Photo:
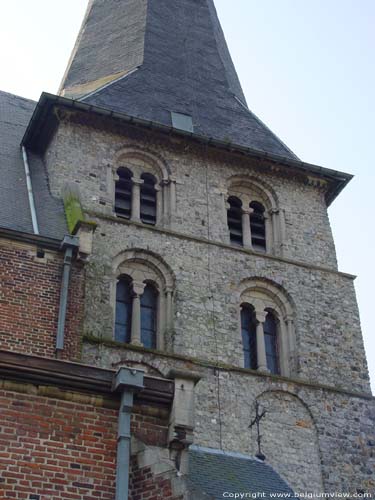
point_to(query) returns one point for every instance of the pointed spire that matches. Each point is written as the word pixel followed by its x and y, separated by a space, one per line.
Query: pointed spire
pixel 165 61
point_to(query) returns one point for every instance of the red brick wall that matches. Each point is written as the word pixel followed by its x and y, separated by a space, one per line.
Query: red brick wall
pixel 144 486
pixel 29 302
pixel 52 449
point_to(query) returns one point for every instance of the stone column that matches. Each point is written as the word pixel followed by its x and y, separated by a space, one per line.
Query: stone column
pixel 289 322
pixel 172 192
pixel 159 204
pixel 268 227
pixel 246 228
pixel 282 231
pixel 136 199
pixel 275 229
pixel 169 312
pixel 138 289
pixel 165 185
pixel 284 349
pixel 261 345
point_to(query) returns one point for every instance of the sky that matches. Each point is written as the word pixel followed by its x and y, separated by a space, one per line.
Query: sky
pixel 307 70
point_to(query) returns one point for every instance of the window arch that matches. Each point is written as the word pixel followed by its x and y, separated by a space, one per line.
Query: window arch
pixel 262 221
pixel 150 285
pixel 234 215
pixel 123 192
pixel 248 331
pixel 267 319
pixel 258 226
pixel 148 199
pixel 150 189
pixel 123 309
pixel 149 307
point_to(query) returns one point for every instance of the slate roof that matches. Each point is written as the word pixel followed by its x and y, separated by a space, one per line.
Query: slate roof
pixel 213 472
pixel 178 61
pixel 15 113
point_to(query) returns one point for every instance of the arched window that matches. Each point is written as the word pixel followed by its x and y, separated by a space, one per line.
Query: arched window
pixel 258 226
pixel 123 310
pixel 148 199
pixel 248 330
pixel 123 193
pixel 149 306
pixel 235 220
pixel 270 339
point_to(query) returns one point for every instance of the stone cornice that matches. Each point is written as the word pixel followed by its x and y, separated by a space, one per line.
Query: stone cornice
pixel 75 377
pixel 230 368
pixel 206 241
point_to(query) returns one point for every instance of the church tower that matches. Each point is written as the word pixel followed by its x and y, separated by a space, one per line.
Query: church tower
pixel 203 261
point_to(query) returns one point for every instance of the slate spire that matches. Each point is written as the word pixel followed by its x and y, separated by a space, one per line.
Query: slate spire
pixel 165 61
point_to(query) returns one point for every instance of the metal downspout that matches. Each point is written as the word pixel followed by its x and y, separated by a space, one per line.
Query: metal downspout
pixel 69 244
pixel 30 191
pixel 128 381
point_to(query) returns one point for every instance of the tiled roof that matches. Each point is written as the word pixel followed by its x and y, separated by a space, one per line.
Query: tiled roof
pixel 148 58
pixel 15 113
pixel 214 472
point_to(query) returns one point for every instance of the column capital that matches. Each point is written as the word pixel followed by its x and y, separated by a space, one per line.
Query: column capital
pixel 137 181
pixel 247 211
pixel 138 288
pixel 288 318
pixel 273 211
pixel 260 315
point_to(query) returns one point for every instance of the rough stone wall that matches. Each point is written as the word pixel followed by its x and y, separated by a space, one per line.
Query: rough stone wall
pixel 328 441
pixel 83 154
pixel 326 316
pixel 319 440
pixel 29 301
pixel 329 342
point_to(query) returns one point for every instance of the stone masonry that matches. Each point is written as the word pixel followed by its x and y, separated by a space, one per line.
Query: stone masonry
pixel 318 432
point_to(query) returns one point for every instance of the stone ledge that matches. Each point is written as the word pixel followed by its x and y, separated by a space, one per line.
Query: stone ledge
pixel 225 367
pixel 206 241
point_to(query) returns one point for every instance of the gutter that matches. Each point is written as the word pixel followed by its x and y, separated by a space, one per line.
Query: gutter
pixel 128 381
pixel 69 244
pixel 47 101
pixel 32 239
pixel 30 191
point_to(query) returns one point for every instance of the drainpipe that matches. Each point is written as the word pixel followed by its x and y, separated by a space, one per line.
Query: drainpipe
pixel 69 244
pixel 30 191
pixel 128 381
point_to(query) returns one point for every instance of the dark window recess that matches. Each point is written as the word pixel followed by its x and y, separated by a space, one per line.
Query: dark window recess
pixel 123 310
pixel 270 338
pixel 148 199
pixel 123 193
pixel 249 336
pixel 149 304
pixel 258 226
pixel 235 220
pixel 182 121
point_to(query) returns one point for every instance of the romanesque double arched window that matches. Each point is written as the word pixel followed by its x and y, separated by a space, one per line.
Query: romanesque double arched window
pixel 267 328
pixel 254 218
pixel 143 305
pixel 143 188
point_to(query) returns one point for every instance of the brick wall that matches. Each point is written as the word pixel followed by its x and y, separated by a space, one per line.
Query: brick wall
pixel 56 449
pixel 145 486
pixel 29 301
pixel 53 449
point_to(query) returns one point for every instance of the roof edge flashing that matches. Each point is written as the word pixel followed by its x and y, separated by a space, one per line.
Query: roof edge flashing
pixel 47 101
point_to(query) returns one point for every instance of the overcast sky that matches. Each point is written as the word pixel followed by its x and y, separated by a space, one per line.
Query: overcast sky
pixel 307 69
